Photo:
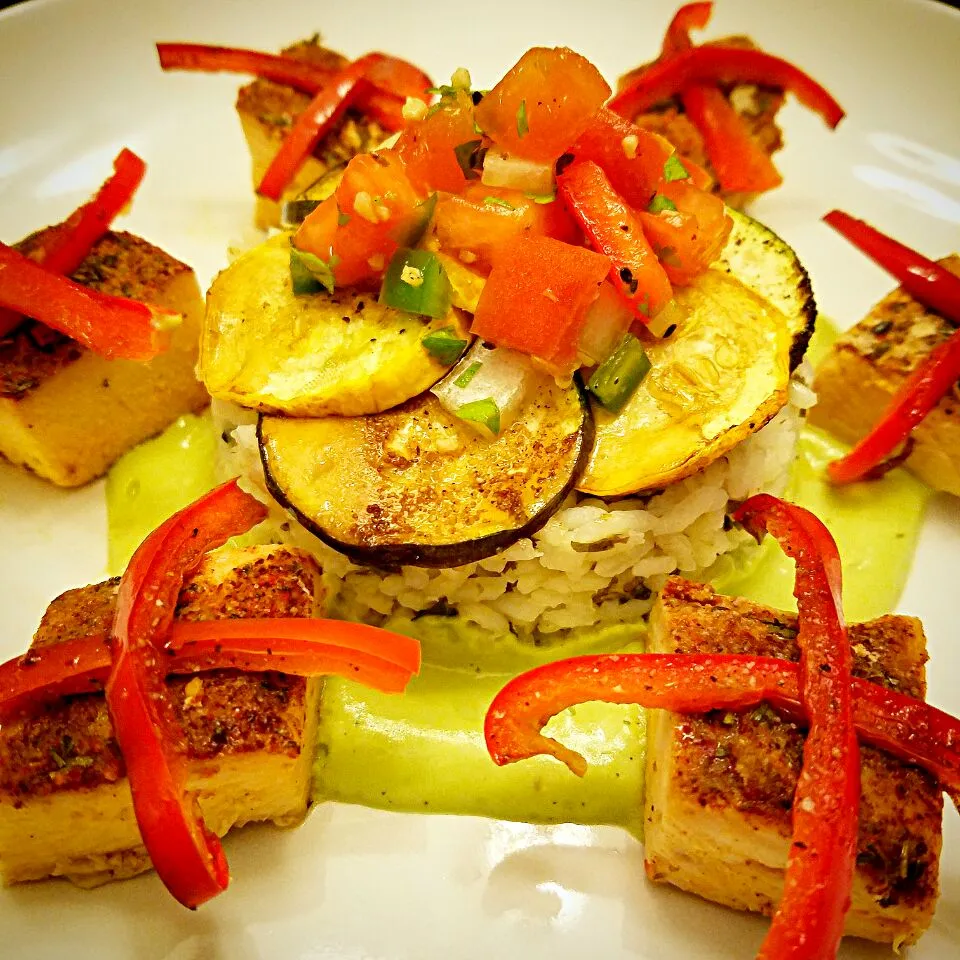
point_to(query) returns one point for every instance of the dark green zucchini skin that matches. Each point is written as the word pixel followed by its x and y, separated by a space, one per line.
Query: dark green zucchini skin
pixel 452 548
pixel 763 261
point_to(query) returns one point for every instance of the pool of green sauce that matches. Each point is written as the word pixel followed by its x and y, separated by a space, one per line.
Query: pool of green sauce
pixel 423 751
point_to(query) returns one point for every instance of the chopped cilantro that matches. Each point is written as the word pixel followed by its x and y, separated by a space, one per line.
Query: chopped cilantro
pixel 541 197
pixel 523 126
pixel 673 169
pixel 497 202
pixel 464 379
pixel 309 273
pixel 342 218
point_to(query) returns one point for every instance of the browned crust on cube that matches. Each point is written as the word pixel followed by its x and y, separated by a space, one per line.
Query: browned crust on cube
pixel 268 110
pixel 757 106
pixel 745 766
pixel 119 264
pixel 70 744
pixel 871 361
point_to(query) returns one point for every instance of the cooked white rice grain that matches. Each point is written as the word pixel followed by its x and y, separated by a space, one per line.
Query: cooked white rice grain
pixel 593 563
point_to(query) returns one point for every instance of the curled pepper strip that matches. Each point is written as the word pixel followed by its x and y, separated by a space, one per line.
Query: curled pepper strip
pixel 713 64
pixel 188 858
pixel 383 101
pixel 924 279
pixel 741 164
pixel 936 288
pixel 819 875
pixel 301 646
pixel 113 327
pixel 905 727
pixel 70 242
pixel 326 108
pixel 613 230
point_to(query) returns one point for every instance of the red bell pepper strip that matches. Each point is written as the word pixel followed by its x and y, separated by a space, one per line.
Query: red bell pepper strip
pixel 382 102
pixel 188 858
pixel 809 921
pixel 715 64
pixel 819 875
pixel 70 242
pixel 91 221
pixel 919 394
pixel 378 658
pixel 741 164
pixel 936 288
pixel 614 231
pixel 905 727
pixel 113 327
pixel 691 16
pixel 302 75
pixel 303 647
pixel 925 280
pixel 318 118
pixel 301 633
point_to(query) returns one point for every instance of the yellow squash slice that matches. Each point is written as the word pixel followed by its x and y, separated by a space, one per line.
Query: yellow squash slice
pixel 312 354
pixel 742 327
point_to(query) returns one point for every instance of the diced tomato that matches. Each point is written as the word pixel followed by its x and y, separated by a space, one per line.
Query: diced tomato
pixel 632 158
pixel 427 146
pixel 543 103
pixel 360 227
pixel 613 229
pixel 687 240
pixel 537 296
pixel 482 219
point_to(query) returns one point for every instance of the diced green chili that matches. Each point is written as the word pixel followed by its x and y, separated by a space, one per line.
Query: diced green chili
pixel 310 274
pixel 483 411
pixel 470 156
pixel 444 344
pixel 423 214
pixel 615 380
pixel 416 282
pixel 660 202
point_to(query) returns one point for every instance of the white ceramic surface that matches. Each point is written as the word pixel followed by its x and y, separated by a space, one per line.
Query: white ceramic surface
pixel 78 79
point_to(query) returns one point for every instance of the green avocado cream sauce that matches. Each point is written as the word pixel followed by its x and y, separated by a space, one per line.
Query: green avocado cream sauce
pixel 424 750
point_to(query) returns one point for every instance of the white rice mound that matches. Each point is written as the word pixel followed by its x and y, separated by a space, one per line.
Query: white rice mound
pixel 594 563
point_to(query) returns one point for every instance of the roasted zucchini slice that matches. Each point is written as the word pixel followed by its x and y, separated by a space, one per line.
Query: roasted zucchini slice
pixel 312 354
pixel 742 327
pixel 417 486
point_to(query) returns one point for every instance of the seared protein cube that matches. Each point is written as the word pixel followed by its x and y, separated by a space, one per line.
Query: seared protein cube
pixel 65 807
pixel 267 112
pixel 871 361
pixel 720 785
pixel 757 107
pixel 67 413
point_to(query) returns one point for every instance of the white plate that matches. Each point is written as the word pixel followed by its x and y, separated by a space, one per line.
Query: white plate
pixel 79 80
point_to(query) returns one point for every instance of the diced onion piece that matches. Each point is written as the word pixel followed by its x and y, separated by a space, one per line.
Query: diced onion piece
pixel 528 176
pixel 606 322
pixel 486 373
pixel 620 374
